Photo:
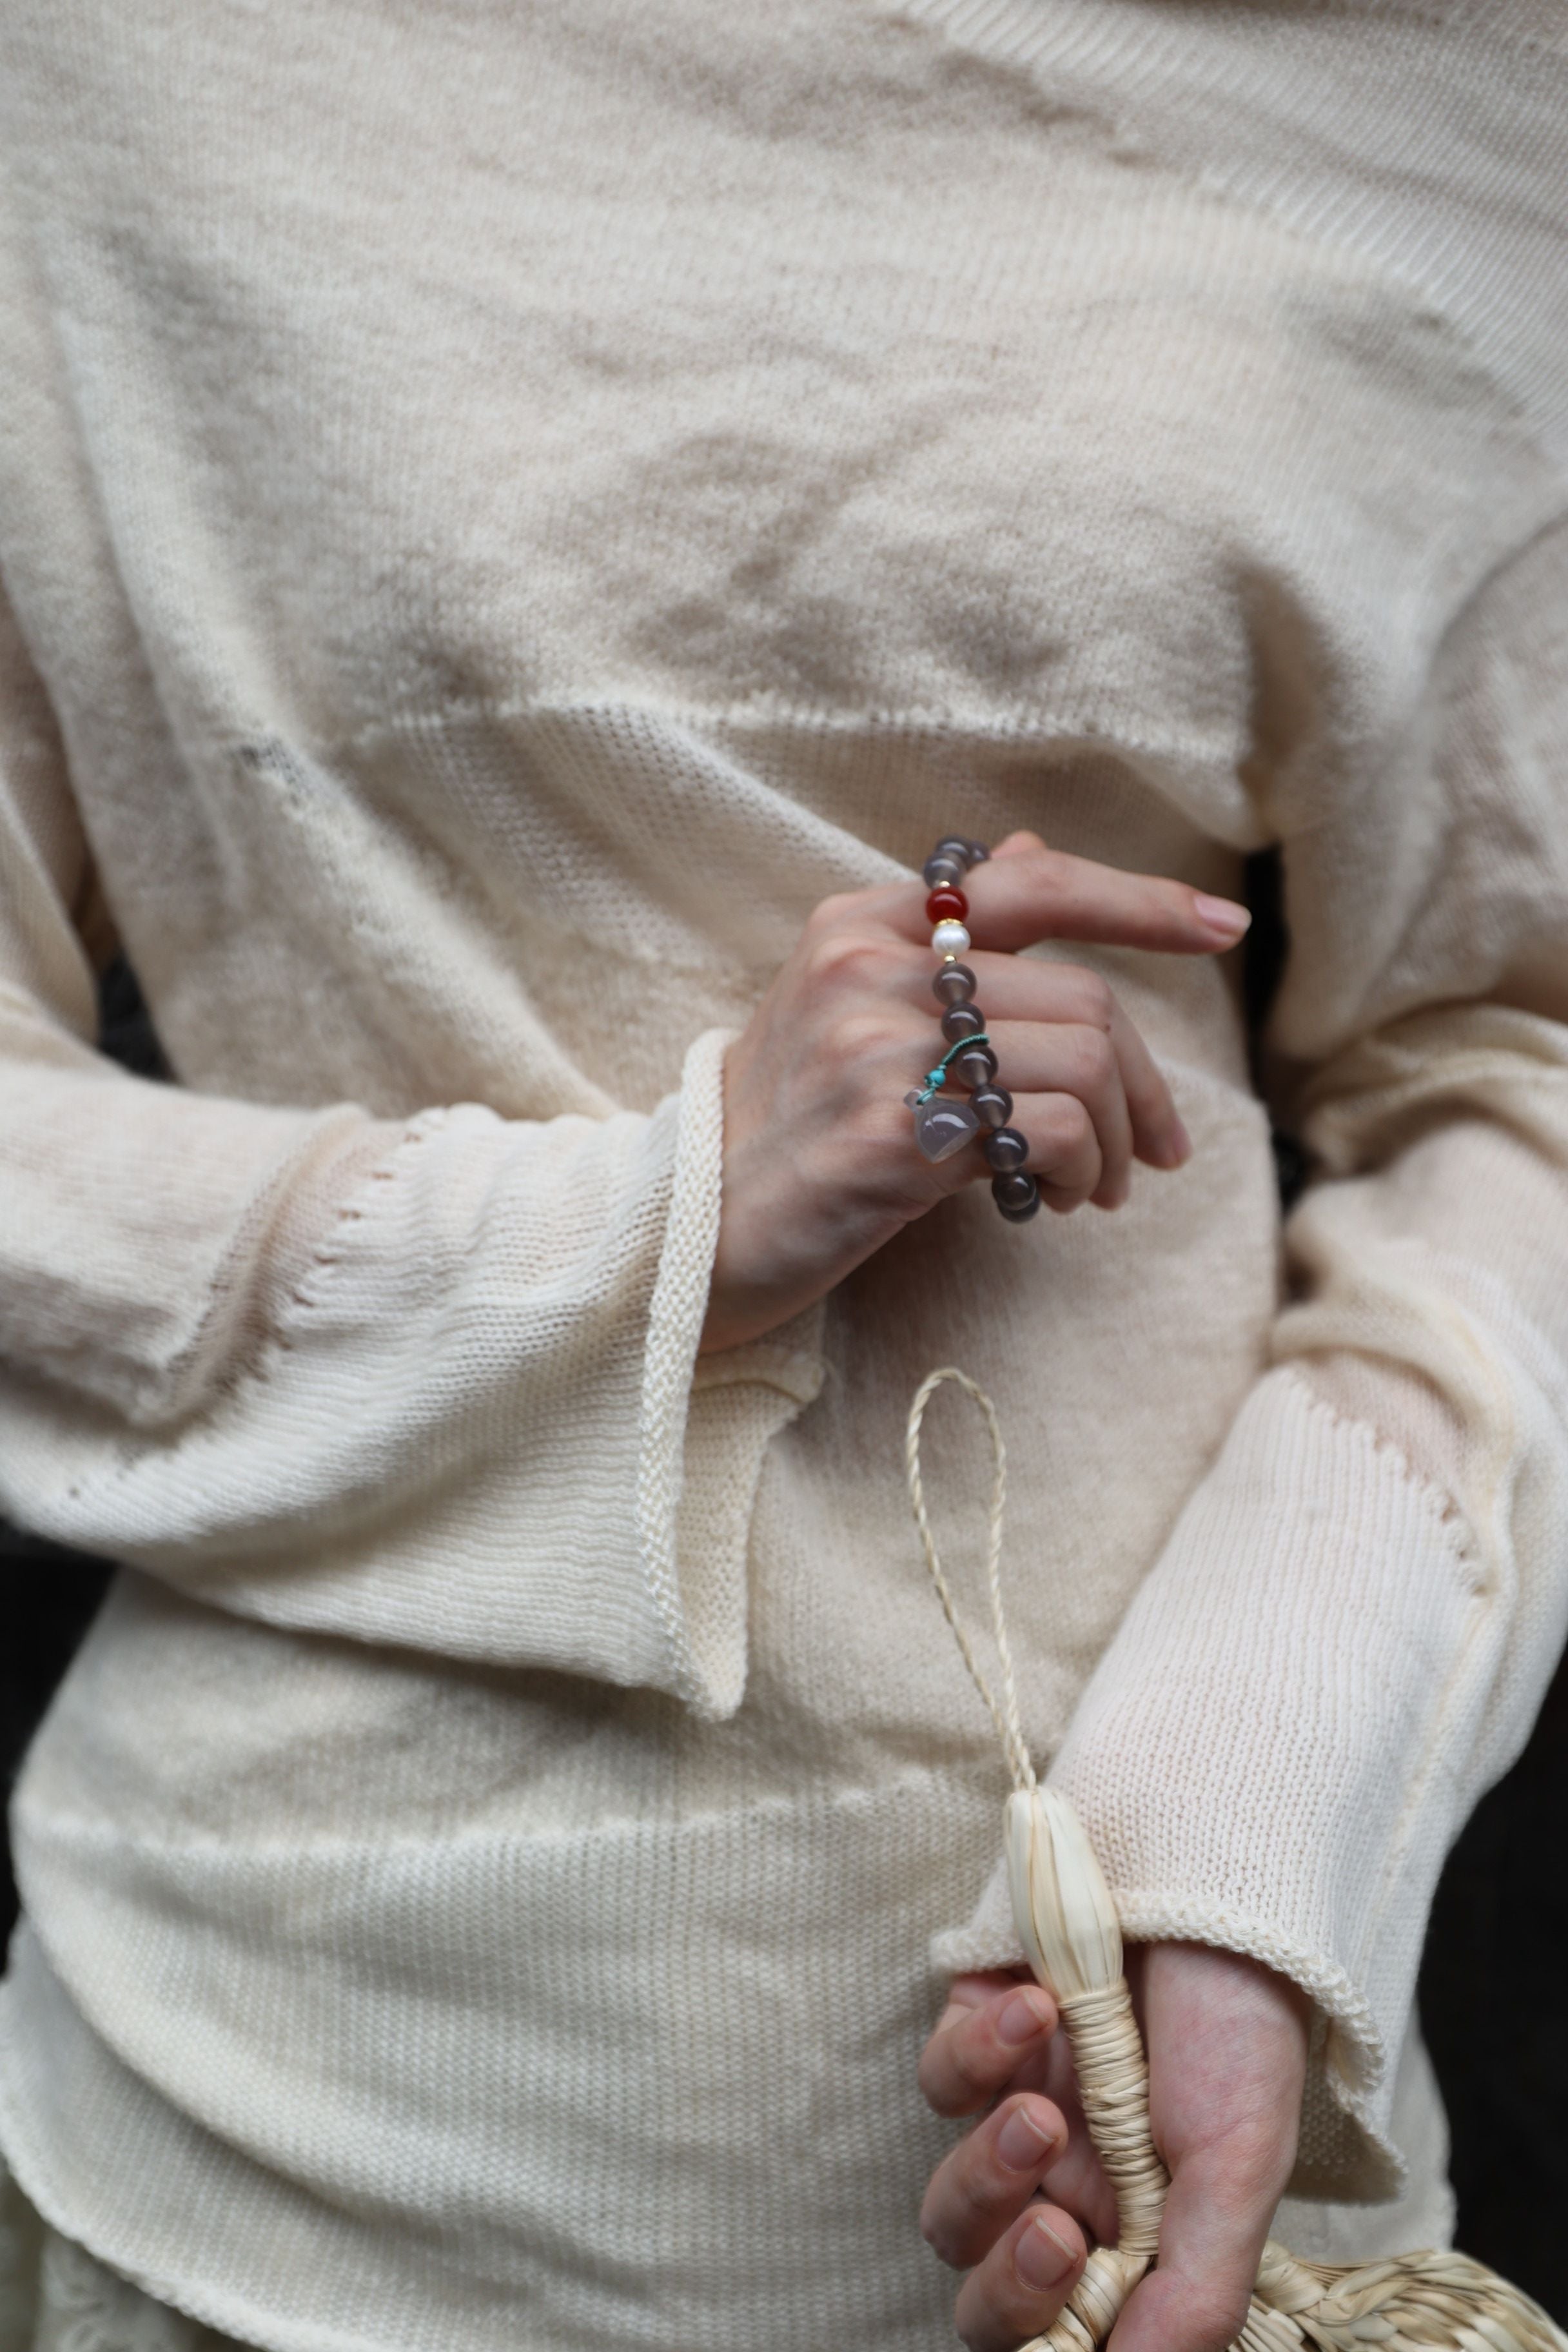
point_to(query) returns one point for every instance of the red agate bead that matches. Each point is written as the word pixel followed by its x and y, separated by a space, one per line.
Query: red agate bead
pixel 946 905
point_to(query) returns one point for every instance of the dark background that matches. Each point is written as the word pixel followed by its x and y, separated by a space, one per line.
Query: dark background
pixel 1494 1979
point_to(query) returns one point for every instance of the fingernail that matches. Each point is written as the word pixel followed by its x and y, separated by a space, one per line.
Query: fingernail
pixel 1023 2140
pixel 1024 2016
pixel 1040 2257
pixel 1221 915
pixel 1180 1147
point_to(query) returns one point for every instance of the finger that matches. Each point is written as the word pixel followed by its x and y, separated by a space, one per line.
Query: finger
pixel 1159 1138
pixel 978 1985
pixel 1064 1150
pixel 1077 2180
pixel 1073 1058
pixel 1216 2218
pixel 975 2051
pixel 1046 893
pixel 985 2183
pixel 1026 988
pixel 1019 2289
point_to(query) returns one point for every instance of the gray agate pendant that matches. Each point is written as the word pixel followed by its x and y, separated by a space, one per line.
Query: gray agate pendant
pixel 943 1125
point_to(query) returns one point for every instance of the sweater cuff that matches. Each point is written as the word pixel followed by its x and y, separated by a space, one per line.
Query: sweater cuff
pixel 479 1426
pixel 706 1420
pixel 1265 1756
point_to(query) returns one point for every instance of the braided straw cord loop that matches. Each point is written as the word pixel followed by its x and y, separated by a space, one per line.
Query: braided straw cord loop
pixel 1426 2302
pixel 1005 1716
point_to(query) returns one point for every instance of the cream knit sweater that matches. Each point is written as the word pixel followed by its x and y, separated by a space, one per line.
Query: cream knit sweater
pixel 502 507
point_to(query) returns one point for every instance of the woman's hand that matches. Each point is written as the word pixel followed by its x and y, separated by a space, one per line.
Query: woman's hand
pixel 820 1161
pixel 1018 2201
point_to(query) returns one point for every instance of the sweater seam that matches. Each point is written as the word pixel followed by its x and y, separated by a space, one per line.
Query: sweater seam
pixel 319 1273
pixel 1026 723
pixel 274 1344
pixel 91 1832
pixel 1038 725
pixel 1440 1506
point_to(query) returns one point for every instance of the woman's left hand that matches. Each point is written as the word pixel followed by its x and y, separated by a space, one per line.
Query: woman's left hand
pixel 1018 2200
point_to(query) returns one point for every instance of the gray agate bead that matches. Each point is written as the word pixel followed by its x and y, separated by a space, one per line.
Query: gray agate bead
pixel 954 984
pixel 975 1066
pixel 994 1103
pixel 953 845
pixel 940 868
pixel 1017 1196
pixel 1006 1150
pixel 961 1021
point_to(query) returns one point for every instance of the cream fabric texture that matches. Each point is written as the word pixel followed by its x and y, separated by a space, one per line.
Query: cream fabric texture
pixel 501 510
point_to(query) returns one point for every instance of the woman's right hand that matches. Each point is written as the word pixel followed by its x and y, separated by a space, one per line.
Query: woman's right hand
pixel 820 1162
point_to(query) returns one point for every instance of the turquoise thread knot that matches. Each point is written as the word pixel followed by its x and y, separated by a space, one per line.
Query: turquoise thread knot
pixel 936 1079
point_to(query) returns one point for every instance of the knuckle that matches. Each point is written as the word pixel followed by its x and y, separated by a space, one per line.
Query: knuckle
pixel 828 913
pixel 959 2208
pixel 977 2195
pixel 1070 1127
pixel 969 2072
pixel 939 2088
pixel 855 1035
pixel 951 2078
pixel 933 2228
pixel 946 2243
pixel 1096 1001
pixel 1093 1057
pixel 846 961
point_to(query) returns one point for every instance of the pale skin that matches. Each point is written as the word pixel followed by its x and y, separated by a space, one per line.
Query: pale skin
pixel 820 1168
pixel 820 1172
pixel 1020 2199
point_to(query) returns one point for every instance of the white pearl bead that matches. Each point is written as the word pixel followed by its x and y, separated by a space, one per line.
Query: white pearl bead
pixel 950 939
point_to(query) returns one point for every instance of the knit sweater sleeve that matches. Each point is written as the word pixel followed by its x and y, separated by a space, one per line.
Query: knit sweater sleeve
pixel 1350 1626
pixel 429 1381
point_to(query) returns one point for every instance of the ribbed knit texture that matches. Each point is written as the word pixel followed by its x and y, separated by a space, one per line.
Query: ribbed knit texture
pixel 501 510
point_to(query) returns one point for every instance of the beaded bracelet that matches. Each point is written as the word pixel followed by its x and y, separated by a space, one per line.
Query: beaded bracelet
pixel 944 1123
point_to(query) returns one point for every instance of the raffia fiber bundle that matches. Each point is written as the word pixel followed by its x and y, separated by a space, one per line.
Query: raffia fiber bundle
pixel 1067 1923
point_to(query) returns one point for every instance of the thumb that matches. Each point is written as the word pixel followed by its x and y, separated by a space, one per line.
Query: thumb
pixel 1211 2240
